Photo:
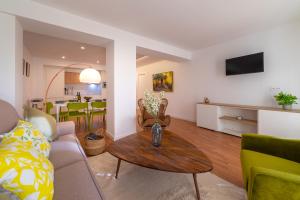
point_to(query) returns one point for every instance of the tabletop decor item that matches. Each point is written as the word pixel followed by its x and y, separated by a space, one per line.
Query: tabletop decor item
pixel 286 100
pixel 152 104
pixel 239 117
pixel 87 99
pixel 206 100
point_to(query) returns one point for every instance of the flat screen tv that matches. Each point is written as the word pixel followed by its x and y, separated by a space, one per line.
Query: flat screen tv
pixel 253 63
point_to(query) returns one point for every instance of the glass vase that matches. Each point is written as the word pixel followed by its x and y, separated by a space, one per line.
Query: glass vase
pixel 156 134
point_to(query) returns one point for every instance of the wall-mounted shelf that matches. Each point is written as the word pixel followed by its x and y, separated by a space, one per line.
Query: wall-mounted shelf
pixel 244 121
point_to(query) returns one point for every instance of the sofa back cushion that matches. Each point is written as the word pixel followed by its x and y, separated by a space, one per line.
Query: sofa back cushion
pixel 8 117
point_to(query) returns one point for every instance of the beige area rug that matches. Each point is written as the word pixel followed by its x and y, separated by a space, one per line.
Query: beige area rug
pixel 138 183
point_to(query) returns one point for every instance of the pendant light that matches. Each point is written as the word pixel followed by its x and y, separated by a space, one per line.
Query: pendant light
pixel 90 76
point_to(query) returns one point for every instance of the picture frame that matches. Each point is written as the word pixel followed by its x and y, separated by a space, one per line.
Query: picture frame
pixel 24 67
pixel 163 82
pixel 27 69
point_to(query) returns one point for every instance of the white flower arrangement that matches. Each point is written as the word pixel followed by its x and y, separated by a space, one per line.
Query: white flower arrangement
pixel 152 102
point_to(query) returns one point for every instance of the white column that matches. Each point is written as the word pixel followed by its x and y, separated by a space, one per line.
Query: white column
pixel 121 79
pixel 11 51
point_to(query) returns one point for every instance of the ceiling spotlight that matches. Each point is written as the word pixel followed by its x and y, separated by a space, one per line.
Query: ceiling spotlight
pixel 82 48
pixel 98 61
pixel 63 57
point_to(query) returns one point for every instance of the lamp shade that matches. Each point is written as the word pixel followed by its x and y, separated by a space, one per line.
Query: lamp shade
pixel 89 75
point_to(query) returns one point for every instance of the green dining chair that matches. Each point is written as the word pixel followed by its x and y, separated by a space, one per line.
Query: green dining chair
pixel 98 109
pixel 78 111
pixel 49 107
pixel 62 115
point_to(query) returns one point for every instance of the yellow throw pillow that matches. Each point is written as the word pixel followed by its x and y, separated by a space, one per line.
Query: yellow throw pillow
pixel 25 172
pixel 27 133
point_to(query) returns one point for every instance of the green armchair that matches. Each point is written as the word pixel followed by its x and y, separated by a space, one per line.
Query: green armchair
pixel 271 167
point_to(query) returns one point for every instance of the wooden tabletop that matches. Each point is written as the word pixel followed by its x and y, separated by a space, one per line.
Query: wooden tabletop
pixel 174 155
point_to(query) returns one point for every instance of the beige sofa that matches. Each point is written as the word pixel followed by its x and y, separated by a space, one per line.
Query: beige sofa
pixel 73 179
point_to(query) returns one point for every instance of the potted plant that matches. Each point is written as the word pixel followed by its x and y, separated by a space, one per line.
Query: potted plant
pixel 152 104
pixel 286 100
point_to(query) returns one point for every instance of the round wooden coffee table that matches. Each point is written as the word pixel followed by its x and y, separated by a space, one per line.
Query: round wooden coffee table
pixel 174 155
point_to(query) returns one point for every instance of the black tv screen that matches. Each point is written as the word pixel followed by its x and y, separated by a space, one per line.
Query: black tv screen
pixel 253 63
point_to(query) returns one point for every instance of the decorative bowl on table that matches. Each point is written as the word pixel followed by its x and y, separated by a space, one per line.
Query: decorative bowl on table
pixel 73 100
pixel 87 99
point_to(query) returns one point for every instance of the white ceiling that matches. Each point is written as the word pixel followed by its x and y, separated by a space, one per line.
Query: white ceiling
pixel 190 24
pixel 54 48
pixel 45 46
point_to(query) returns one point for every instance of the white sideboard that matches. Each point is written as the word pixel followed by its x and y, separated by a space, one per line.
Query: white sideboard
pixel 255 119
pixel 207 116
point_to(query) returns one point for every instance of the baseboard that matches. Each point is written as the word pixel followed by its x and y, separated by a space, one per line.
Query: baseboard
pixel 186 120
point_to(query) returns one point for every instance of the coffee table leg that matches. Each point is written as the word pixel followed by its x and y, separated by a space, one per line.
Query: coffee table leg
pixel 196 186
pixel 118 168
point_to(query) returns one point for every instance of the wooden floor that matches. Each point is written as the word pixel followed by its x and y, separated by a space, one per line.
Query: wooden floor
pixel 222 149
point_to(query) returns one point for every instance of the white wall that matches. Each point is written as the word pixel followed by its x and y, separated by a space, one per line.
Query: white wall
pixel 7 61
pixel 11 51
pixel 121 73
pixel 205 75
pixel 281 47
pixel 56 90
pixel 182 99
pixel 19 67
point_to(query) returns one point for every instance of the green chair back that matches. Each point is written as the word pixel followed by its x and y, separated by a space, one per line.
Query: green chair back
pixel 49 106
pixel 98 104
pixel 77 106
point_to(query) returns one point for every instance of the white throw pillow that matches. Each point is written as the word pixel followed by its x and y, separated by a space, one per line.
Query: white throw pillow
pixel 42 121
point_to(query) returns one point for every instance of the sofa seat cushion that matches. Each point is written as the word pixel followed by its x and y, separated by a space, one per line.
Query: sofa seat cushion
pixel 75 182
pixel 255 159
pixel 65 151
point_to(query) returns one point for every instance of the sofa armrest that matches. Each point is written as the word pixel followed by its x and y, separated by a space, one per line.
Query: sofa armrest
pixel 273 184
pixel 284 148
pixel 64 128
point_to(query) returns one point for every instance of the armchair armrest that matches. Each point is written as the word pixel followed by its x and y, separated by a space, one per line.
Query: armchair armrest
pixel 284 148
pixel 64 128
pixel 165 120
pixel 140 119
pixel 273 184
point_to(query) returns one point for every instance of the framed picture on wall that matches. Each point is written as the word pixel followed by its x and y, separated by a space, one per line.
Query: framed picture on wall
pixel 24 67
pixel 163 82
pixel 27 69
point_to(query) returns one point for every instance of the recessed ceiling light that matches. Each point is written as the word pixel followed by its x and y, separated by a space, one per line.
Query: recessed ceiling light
pixel 98 61
pixel 82 48
pixel 63 57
